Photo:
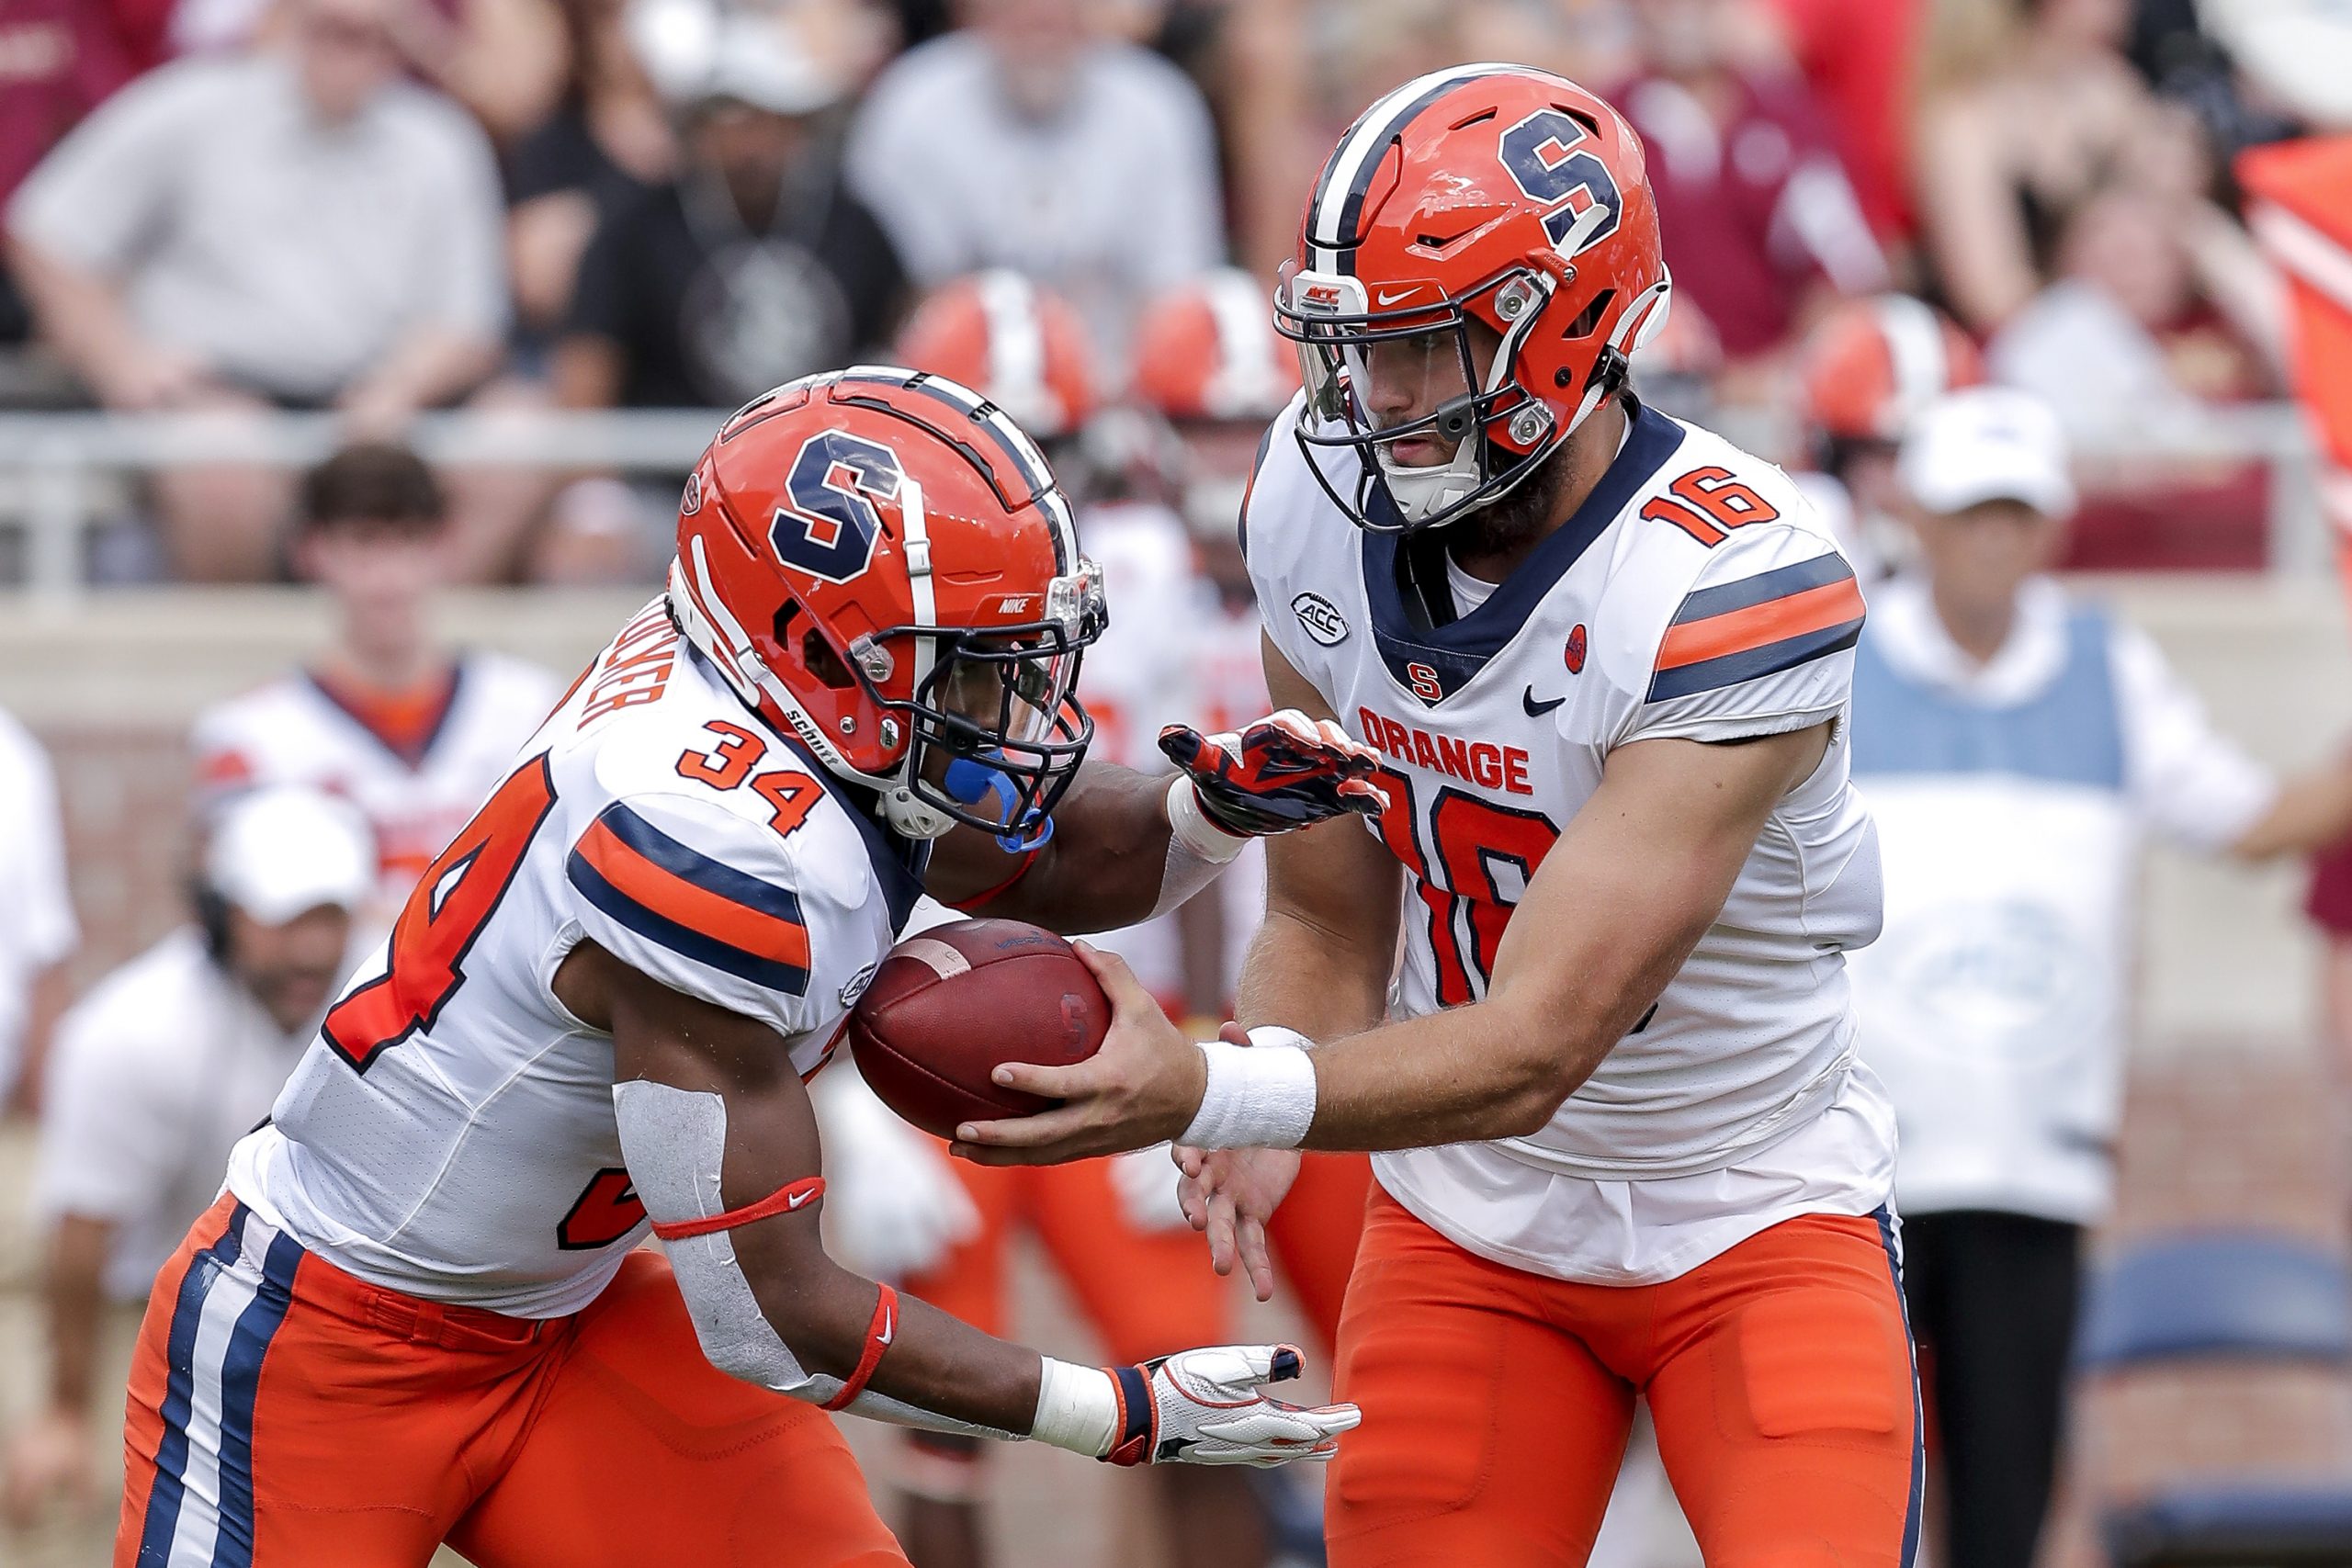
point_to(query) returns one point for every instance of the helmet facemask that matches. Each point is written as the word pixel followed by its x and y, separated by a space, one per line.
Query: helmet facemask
pixel 994 729
pixel 1497 434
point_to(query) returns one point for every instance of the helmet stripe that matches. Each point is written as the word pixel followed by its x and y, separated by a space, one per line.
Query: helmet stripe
pixel 1914 348
pixel 1338 196
pixel 1016 347
pixel 1018 448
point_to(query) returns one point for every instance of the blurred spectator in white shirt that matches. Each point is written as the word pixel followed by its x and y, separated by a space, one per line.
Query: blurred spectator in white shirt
pixel 2017 747
pixel 39 932
pixel 294 225
pixel 1030 140
pixel 2158 309
pixel 164 1064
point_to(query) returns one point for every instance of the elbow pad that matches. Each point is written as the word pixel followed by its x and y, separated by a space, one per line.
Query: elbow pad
pixel 674 1141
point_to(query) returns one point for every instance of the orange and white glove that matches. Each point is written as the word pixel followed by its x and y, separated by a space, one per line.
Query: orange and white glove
pixel 1201 1406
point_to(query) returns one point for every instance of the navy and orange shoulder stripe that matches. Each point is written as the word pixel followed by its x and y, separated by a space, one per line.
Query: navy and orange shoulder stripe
pixel 1759 625
pixel 673 894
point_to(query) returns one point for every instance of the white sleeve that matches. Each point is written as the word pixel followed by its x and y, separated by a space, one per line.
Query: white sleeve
pixel 32 862
pixel 462 281
pixel 1762 643
pixel 889 164
pixel 103 190
pixel 109 1132
pixel 1187 235
pixel 2190 782
pixel 706 902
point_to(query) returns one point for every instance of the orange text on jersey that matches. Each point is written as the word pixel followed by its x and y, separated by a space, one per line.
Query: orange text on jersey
pixel 1482 763
pixel 638 667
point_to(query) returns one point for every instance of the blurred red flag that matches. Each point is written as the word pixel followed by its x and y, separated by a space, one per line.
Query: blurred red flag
pixel 2299 204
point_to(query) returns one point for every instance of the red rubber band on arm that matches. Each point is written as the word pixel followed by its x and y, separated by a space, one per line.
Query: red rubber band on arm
pixel 879 1331
pixel 796 1195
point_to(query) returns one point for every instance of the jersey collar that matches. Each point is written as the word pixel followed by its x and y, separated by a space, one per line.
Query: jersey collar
pixel 1422 656
pixel 898 864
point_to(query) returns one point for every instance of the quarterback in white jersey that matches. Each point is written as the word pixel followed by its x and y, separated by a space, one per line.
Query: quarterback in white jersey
pixel 1624 1147
pixel 419 1311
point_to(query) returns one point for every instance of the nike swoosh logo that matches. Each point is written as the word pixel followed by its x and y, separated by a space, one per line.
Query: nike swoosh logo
pixel 890 1327
pixel 1536 709
pixel 796 1200
pixel 1385 297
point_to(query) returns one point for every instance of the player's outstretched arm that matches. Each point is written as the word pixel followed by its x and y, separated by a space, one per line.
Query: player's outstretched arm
pixel 1626 893
pixel 722 1146
pixel 1127 846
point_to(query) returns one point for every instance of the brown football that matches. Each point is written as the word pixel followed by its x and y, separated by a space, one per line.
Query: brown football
pixel 947 1008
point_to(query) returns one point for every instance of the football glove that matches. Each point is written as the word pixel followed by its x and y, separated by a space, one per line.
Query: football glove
pixel 1203 1407
pixel 1284 771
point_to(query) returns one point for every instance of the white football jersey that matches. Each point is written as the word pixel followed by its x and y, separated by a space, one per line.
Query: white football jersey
pixel 451 1133
pixel 295 730
pixel 1693 595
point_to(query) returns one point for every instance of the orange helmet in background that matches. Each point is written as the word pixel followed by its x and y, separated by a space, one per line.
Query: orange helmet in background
pixel 1499 194
pixel 879 563
pixel 1206 350
pixel 1870 365
pixel 1022 347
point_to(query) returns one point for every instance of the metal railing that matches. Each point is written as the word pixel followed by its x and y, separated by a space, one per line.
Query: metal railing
pixel 62 474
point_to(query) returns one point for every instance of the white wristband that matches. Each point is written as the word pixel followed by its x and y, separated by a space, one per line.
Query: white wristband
pixel 1077 1408
pixel 1260 1096
pixel 1191 826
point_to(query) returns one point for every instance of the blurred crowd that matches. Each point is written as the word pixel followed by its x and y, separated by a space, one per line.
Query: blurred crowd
pixel 380 207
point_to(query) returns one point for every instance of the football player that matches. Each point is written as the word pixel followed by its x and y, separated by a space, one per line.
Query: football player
pixel 1625 1147
pixel 418 1311
pixel 412 733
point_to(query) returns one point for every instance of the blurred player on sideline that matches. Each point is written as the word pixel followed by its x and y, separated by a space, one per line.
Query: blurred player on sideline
pixel 2017 746
pixel 1866 370
pixel 595 1018
pixel 1111 1227
pixel 40 932
pixel 1209 363
pixel 1607 658
pixel 159 1070
pixel 412 732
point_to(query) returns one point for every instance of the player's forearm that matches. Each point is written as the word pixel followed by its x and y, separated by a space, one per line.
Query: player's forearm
pixel 72 1296
pixel 1468 1074
pixel 1104 867
pixel 932 1363
pixel 1307 976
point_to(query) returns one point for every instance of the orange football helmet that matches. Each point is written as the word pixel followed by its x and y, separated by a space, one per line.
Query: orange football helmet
pixel 1023 349
pixel 1499 194
pixel 1207 351
pixel 880 564
pixel 1870 365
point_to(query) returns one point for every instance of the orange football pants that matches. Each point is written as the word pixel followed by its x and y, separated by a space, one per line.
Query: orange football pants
pixel 283 1414
pixel 1495 1401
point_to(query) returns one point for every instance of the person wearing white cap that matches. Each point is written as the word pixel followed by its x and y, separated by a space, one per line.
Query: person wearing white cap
pixel 2016 745
pixel 164 1064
